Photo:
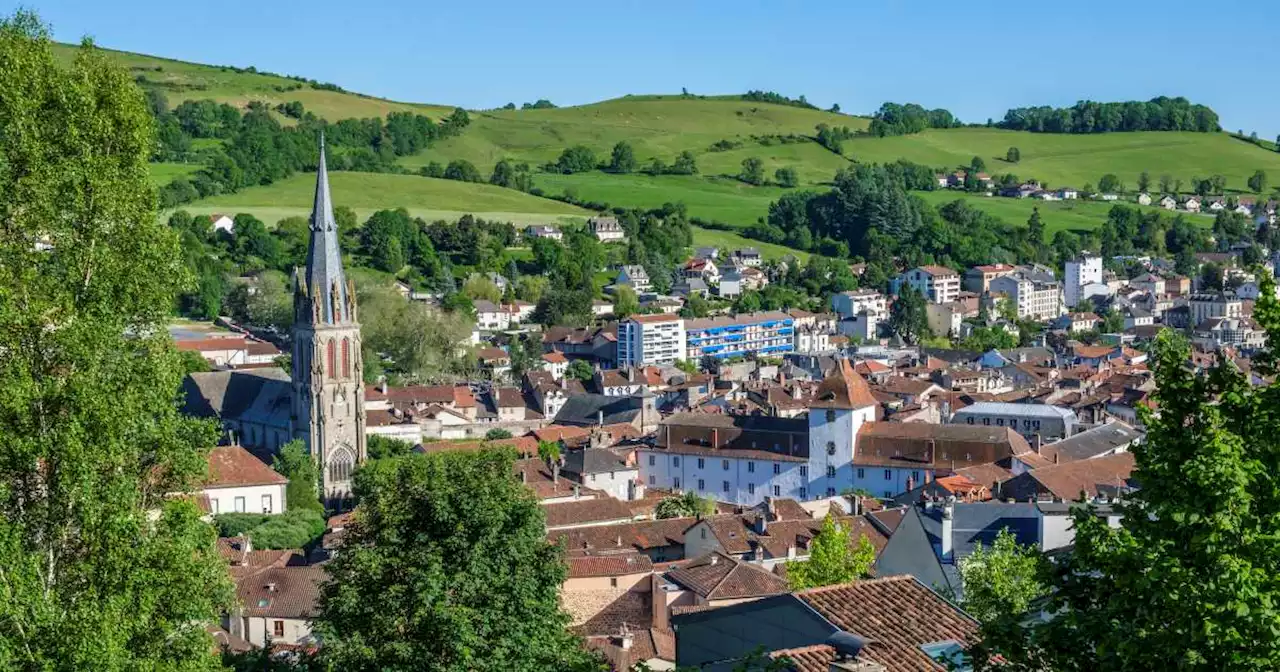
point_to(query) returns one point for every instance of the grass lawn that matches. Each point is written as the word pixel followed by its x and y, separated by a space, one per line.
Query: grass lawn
pixel 1077 215
pixel 723 200
pixel 368 192
pixel 728 241
pixel 164 173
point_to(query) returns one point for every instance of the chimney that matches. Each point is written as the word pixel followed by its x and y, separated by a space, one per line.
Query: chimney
pixel 271 587
pixel 599 418
pixel 948 527
pixel 618 541
pixel 577 491
pixel 715 559
pixel 1035 443
pixel 658 603
pixel 762 523
pixel 626 639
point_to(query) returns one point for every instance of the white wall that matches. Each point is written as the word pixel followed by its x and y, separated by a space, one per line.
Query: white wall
pixel 222 500
pixel 614 483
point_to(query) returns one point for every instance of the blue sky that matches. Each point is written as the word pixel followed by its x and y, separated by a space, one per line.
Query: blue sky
pixel 976 59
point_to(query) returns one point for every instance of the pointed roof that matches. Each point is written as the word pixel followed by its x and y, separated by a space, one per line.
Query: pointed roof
pixel 324 259
pixel 844 389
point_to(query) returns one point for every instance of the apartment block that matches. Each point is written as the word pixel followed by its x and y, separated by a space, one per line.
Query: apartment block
pixel 765 333
pixel 650 339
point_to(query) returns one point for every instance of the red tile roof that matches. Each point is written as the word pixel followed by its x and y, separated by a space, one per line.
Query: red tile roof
pixel 213 344
pixel 897 614
pixel 586 512
pixel 716 576
pixel 282 592
pixel 844 389
pixel 233 466
pixel 584 566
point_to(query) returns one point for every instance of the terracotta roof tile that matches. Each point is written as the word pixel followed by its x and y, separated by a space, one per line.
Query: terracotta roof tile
pixel 844 389
pixel 639 536
pixel 583 566
pixel 717 576
pixel 282 592
pixel 233 466
pixel 585 512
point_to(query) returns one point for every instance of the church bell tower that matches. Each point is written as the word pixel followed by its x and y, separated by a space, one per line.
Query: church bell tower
pixel 328 391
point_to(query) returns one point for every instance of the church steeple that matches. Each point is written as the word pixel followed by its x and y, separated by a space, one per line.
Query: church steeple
pixel 325 282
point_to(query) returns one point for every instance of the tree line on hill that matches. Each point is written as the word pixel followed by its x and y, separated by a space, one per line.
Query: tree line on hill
pixel 254 148
pixel 1087 116
pixel 896 119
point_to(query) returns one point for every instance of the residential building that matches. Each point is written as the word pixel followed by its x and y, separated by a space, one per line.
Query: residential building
pixel 651 339
pixel 544 231
pixel 1036 294
pixel 848 304
pixel 730 284
pixel 937 284
pixel 978 278
pixel 277 605
pixel 606 229
pixel 945 319
pixel 1144 198
pixel 1149 282
pixel 749 257
pixel 748 333
pixel 1205 305
pixel 1105 476
pixel 1192 204
pixel 703 269
pixel 1030 420
pixel 1079 272
pixel 238 482
pixel 1169 203
pixel 1073 322
pixel 634 276
pixel 1239 332
pixel 1067 193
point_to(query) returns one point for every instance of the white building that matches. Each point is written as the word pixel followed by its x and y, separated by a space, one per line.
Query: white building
pixel 607 229
pixel 635 276
pixel 1047 422
pixel 238 482
pixel 1037 295
pixel 937 284
pixel 222 223
pixel 848 304
pixel 763 333
pixel 277 605
pixel 650 339
pixel 1080 272
pixel 1205 305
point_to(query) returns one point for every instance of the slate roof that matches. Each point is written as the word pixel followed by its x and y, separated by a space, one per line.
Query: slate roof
pixel 980 522
pixel 324 258
pixel 584 409
pixel 594 461
pixel 716 576
pixel 1093 442
pixel 262 396
pixel 896 615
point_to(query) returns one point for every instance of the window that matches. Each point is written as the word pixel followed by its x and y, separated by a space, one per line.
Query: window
pixel 239 504
pixel 915 477
pixel 675 461
pixel 887 494
pixel 725 464
pixel 831 447
pixel 277 628
pixel 861 473
pixel 332 355
pixel 652 480
pixel 701 463
pixel 346 358
pixel 675 483
pixel 702 485
pixel 213 505
pixel 888 475
pixel 751 488
pixel 804 471
pixel 986 421
pixel 266 503
pixel 803 493
pixel 651 460
pixel 969 420
pixel 831 415
pixel 613 582
pixel 777 491
pixel 777 468
pixel 751 467
pixel 831 472
pixel 831 492
pixel 703 532
pixel 724 485
pixel 593 478
pixel 999 422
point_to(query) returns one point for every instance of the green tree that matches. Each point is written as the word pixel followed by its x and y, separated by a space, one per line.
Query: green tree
pixel 422 342
pixel 833 558
pixel 687 366
pixel 91 441
pixel 786 177
pixel 625 302
pixel 1144 182
pixel 1001 579
pixel 478 287
pixel 576 159
pixel 1258 181
pixel 1166 184
pixel 531 288
pixel 295 463
pixel 1035 227
pixel 462 170
pixel 685 505
pixel 685 164
pixel 977 165
pixel 1013 155
pixel 549 451
pixel 1187 578
pixel 752 171
pixel 382 447
pixel 623 159
pixel 1112 322
pixel 496 434
pixel 908 317
pixel 1110 183
pixel 579 370
pixel 447 568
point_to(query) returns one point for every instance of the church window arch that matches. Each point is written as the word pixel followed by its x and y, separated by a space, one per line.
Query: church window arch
pixel 346 357
pixel 341 465
pixel 332 354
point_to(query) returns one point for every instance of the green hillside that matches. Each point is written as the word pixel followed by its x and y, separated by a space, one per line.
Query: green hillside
pixel 367 192
pixel 188 81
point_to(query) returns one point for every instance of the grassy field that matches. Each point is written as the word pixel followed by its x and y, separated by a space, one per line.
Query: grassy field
pixel 723 200
pixel 193 81
pixel 729 241
pixel 164 173
pixel 1057 215
pixel 367 192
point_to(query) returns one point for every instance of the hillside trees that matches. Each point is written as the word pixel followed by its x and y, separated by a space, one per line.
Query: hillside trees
pixel 423 342
pixel 907 316
pixel 786 177
pixel 1110 183
pixel 1144 182
pixel 91 441
pixel 1258 181
pixel 576 159
pixel 1188 575
pixel 895 119
pixel 752 171
pixel 447 567
pixel 1086 116
pixel 623 158
pixel 462 170
pixel 512 175
pixel 1013 155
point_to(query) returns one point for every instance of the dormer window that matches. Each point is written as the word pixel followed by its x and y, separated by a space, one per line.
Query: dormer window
pixel 831 447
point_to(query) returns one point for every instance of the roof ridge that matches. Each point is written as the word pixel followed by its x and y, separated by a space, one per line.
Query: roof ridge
pixel 857 582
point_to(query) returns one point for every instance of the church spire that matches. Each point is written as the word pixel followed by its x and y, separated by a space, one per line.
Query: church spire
pixel 325 281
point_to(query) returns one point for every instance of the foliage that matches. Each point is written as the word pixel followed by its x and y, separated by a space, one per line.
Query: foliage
pixel 686 505
pixel 462 170
pixel 496 434
pixel 908 317
pixel 549 451
pixel 982 339
pixel 295 528
pixel 1110 183
pixel 1013 155
pixel 100 568
pixel 575 159
pixel 419 341
pixel 1187 578
pixel 625 302
pixel 382 447
pixel 1258 181
pixel 579 370
pixel 296 464
pixel 752 171
pixel 786 177
pixel 1086 116
pixel 539 104
pixel 777 99
pixel 894 119
pixel 511 175
pixel 623 159
pixel 833 137
pixel 1005 578
pixel 447 568
pixel 833 558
